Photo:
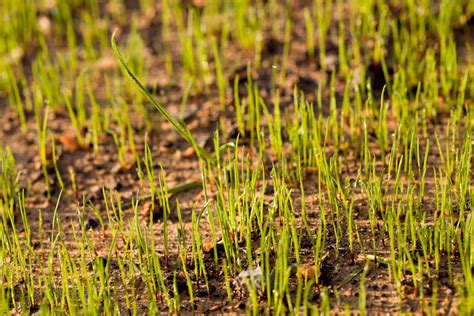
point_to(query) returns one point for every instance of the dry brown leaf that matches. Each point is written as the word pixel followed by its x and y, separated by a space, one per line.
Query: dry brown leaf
pixel 207 247
pixel 307 271
pixel 69 142
pixel 189 152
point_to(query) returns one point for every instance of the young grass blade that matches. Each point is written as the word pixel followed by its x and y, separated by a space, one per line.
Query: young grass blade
pixel 180 127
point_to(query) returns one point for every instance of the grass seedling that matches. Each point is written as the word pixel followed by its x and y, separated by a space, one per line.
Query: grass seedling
pixel 15 99
pixel 309 32
pixel 238 108
pixel 42 123
pixel 286 50
pixel 374 163
pixel 55 162
pixel 180 127
pixel 323 10
pixel 362 292
pixel 8 179
pixel 221 83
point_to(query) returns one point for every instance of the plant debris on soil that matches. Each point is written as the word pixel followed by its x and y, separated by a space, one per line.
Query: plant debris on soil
pixel 263 157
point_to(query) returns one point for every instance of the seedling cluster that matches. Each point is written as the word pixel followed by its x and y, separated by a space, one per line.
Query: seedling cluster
pixel 268 157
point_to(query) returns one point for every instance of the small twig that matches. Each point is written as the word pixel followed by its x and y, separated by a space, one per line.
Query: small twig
pixel 377 259
pixel 180 188
pixel 355 273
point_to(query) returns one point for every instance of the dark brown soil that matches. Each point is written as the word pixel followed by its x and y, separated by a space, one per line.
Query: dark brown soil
pixel 97 170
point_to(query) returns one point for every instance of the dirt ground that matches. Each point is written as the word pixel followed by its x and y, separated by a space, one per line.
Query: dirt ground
pixel 102 169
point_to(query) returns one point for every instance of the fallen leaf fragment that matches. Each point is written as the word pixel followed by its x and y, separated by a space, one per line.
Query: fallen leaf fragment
pixel 208 246
pixel 308 271
pixel 189 152
pixel 69 142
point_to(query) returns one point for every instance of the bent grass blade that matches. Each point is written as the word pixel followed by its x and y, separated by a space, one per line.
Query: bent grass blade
pixel 180 127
